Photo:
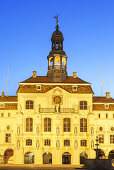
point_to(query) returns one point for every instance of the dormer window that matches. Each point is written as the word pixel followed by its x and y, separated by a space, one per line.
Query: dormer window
pixel 74 88
pixel 38 87
pixel 106 106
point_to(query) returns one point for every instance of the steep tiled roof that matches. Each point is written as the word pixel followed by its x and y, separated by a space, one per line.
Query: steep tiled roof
pixel 82 89
pixel 8 99
pixel 97 99
pixel 45 79
pixel 101 107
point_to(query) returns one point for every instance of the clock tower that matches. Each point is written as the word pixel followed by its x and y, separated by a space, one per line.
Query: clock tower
pixel 57 59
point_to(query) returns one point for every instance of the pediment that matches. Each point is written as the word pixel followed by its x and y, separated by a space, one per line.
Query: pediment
pixel 57 91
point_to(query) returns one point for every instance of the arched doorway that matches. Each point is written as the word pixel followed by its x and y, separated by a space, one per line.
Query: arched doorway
pixel 83 156
pixel 47 158
pixel 8 156
pixel 66 158
pixel 111 156
pixel 101 154
pixel 29 158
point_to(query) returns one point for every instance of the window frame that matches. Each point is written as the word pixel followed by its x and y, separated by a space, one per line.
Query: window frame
pixel 28 142
pixel 29 124
pixel 29 104
pixel 66 125
pixel 101 138
pixel 47 124
pixel 83 105
pixel 8 138
pixel 83 125
pixel 66 142
pixel 47 142
pixel 83 143
pixel 112 139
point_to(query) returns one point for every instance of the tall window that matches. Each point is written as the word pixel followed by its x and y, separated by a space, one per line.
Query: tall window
pixel 83 125
pixel 28 142
pixel 83 105
pixel 29 125
pixel 47 142
pixel 66 142
pixel 66 125
pixel 8 138
pixel 47 125
pixel 111 138
pixel 29 104
pixel 83 143
pixel 101 138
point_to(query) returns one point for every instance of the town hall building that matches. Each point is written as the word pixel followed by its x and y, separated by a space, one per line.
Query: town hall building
pixel 55 119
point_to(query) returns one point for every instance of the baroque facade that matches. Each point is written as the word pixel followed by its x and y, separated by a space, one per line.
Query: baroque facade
pixel 55 119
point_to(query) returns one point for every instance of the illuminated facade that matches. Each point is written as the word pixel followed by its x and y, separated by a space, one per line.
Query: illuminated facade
pixel 55 118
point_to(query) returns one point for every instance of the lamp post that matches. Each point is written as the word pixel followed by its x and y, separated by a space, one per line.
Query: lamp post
pixel 97 149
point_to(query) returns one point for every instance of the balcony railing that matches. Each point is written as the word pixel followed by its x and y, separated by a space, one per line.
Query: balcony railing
pixel 67 110
pixel 47 110
pixel 59 110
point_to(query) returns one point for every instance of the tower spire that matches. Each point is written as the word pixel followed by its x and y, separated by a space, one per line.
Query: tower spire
pixel 57 59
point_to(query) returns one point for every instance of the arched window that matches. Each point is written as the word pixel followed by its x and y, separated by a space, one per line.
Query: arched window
pixel 29 142
pixel 83 105
pixel 83 125
pixel 47 142
pixel 29 125
pixel 29 104
pixel 66 125
pixel 47 125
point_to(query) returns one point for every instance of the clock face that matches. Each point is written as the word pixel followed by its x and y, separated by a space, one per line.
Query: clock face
pixel 57 99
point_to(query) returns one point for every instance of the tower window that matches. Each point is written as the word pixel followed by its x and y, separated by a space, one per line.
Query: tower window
pixel 57 46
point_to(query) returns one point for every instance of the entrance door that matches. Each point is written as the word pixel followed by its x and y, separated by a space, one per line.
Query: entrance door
pixel 29 158
pixel 66 158
pixel 8 154
pixel 83 156
pixel 111 156
pixel 47 158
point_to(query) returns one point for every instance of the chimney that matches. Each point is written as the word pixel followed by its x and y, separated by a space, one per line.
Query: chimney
pixel 34 74
pixel 74 75
pixel 108 95
pixel 2 94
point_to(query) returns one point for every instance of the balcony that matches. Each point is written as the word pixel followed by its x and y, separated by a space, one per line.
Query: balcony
pixel 59 110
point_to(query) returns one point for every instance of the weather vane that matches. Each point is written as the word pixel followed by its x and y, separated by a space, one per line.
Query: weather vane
pixel 56 17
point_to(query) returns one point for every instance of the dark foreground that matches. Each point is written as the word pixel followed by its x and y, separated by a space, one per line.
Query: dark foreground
pixel 19 167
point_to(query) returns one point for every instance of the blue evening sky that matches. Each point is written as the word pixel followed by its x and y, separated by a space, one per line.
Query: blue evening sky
pixel 26 27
